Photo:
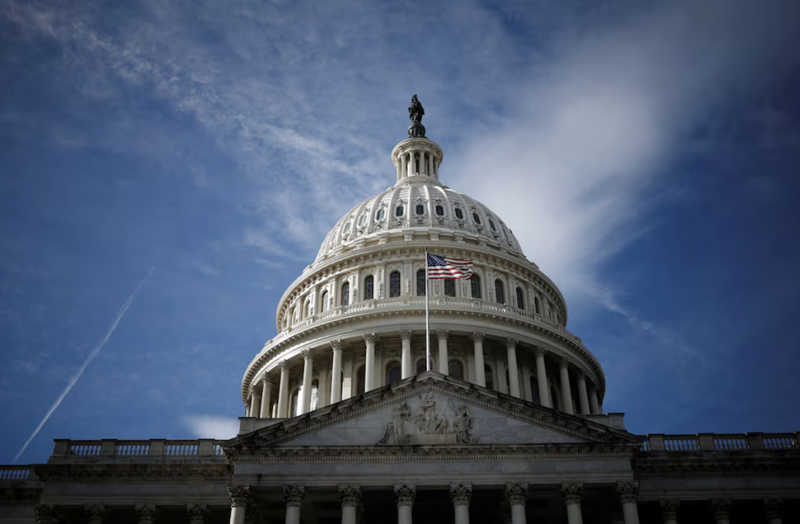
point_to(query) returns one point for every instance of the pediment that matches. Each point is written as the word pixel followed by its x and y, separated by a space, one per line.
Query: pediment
pixel 431 410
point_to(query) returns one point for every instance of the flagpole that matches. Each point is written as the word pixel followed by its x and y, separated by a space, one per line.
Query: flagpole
pixel 427 315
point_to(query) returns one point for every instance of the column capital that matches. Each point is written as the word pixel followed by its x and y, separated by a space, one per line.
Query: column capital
pixel 516 493
pixel 294 495
pixel 145 513
pixel 406 494
pixel 627 491
pixel 582 374
pixel 442 334
pixel 405 334
pixel 349 495
pixel 572 492
pixel 477 336
pixel 337 344
pixel 461 494
pixel 511 343
pixel 722 508
pixel 370 338
pixel 539 351
pixel 45 514
pixel 94 513
pixel 306 354
pixel 238 495
pixel 773 509
pixel 282 364
pixel 197 513
pixel 669 509
pixel 564 363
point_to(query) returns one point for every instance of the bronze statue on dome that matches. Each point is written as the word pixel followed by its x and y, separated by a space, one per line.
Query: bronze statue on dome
pixel 415 114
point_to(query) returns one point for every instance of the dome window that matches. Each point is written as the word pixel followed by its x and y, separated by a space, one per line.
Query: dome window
pixel 475 283
pixel 499 292
pixel 420 209
pixel 369 287
pixel 347 228
pixel 491 225
pixel 520 299
pixel 476 218
pixel 420 282
pixel 450 288
pixel 459 213
pixel 394 284
pixel 440 211
pixel 362 221
pixel 399 211
pixel 380 214
pixel 345 298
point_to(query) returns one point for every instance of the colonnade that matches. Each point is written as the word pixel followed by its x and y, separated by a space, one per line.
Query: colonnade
pixel 330 372
pixel 407 166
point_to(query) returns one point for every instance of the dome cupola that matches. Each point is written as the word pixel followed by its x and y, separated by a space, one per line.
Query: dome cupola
pixel 417 159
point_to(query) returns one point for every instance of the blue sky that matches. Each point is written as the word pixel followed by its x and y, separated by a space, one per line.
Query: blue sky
pixel 646 154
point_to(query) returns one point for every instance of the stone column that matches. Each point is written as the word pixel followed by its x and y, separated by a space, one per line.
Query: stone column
pixel 406 364
pixel 304 402
pixel 293 495
pixel 403 165
pixel 255 403
pixel 596 410
pixel 461 494
pixel 336 372
pixel 627 493
pixel 517 495
pixel 480 369
pixel 583 396
pixel 324 382
pixel 94 513
pixel 573 494
pixel 444 360
pixel 722 509
pixel 283 390
pixel 513 372
pixel 145 513
pixel 669 511
pixel 266 398
pixel 541 378
pixel 369 371
pixel 566 392
pixel 350 497
pixel 773 510
pixel 239 496
pixel 406 494
pixel 197 513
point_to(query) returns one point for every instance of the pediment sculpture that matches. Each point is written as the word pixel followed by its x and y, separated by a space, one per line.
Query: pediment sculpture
pixel 425 424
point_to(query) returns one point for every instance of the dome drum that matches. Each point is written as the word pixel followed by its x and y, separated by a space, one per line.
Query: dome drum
pixel 417 157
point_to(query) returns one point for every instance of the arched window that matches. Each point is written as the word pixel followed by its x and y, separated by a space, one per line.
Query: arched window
pixel 393 373
pixel 535 390
pixel 421 283
pixel 361 383
pixel 398 212
pixel 314 394
pixel 422 365
pixel 380 214
pixel 347 228
pixel 455 369
pixel 362 220
pixel 420 209
pixel 520 299
pixel 536 305
pixel 491 225
pixel 345 298
pixel 440 211
pixel 476 218
pixel 450 287
pixel 499 293
pixel 307 311
pixel 459 213
pixel 394 284
pixel 487 370
pixel 369 287
pixel 323 302
pixel 475 284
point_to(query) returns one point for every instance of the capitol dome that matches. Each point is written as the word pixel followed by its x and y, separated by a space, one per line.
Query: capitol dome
pixel 355 319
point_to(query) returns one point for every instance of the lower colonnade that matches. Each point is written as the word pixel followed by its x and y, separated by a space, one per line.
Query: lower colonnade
pixel 342 368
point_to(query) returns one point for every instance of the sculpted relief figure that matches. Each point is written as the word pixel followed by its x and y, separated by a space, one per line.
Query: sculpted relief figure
pixel 462 423
pixel 396 429
pixel 427 426
pixel 429 423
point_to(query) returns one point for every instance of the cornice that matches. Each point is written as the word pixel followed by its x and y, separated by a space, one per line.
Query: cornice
pixel 716 463
pixel 132 472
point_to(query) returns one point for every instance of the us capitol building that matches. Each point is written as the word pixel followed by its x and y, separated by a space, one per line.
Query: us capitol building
pixel 345 424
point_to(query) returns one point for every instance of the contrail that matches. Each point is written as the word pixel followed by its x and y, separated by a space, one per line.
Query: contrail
pixel 91 356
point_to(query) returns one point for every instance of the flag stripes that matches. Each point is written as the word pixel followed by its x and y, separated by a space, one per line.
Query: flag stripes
pixel 448 268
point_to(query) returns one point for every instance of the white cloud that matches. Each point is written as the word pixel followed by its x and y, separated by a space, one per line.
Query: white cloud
pixel 211 426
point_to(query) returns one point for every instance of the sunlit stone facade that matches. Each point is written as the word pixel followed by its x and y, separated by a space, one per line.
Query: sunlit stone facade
pixel 345 422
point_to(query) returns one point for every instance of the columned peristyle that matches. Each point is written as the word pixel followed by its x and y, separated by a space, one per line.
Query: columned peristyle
pixel 336 372
pixel 541 379
pixel 293 495
pixel 145 513
pixel 513 373
pixel 566 390
pixel 573 494
pixel 669 511
pixel 350 497
pixel 239 496
pixel 406 365
pixel 405 494
pixel 369 362
pixel 722 510
pixel 443 357
pixel 627 493
pixel 516 495
pixel 197 513
pixel 480 370
pixel 461 494
pixel 283 390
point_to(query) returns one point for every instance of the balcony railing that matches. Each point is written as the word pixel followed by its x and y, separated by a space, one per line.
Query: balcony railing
pixel 722 442
pixel 16 473
pixel 164 450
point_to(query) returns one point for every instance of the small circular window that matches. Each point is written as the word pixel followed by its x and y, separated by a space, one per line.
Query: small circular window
pixel 420 209
pixel 476 218
pixel 399 211
pixel 440 211
pixel 459 213
pixel 380 214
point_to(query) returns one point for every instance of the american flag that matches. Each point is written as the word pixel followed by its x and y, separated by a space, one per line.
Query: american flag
pixel 442 267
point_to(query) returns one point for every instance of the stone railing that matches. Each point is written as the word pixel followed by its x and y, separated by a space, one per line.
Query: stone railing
pixel 133 450
pixel 16 473
pixel 722 442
